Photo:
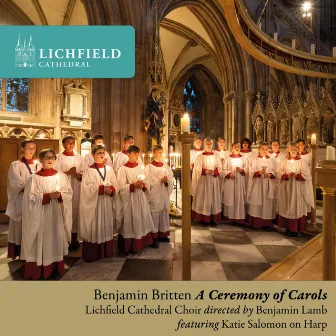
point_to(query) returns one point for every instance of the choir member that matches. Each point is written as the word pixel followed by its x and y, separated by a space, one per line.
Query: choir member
pixel 246 150
pixel 234 186
pixel 205 186
pixel 19 171
pixel 295 193
pixel 97 208
pixel 160 180
pixel 72 165
pixel 196 151
pixel 98 140
pixel 275 151
pixel 46 219
pixel 261 189
pixel 221 149
pixel 305 155
pixel 134 219
pixel 122 157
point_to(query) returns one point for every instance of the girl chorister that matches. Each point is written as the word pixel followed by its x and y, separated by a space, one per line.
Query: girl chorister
pixel 97 208
pixel 18 174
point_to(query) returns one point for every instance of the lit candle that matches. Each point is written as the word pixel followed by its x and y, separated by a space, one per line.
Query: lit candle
pixel 113 155
pixel 143 157
pixel 330 153
pixel 151 155
pixel 185 124
pixel 166 161
pixel 313 139
pixel 35 163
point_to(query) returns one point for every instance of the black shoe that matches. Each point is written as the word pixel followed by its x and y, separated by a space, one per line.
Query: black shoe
pixel 288 233
pixel 213 224
pixel 296 234
pixel 204 224
pixel 165 240
pixel 74 247
pixel 154 245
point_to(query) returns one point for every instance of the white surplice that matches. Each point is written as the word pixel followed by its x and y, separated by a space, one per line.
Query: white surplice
pixel 206 189
pixel 234 191
pixel 134 219
pixel 294 197
pixel 64 163
pixel 193 155
pixel 46 229
pixel 120 159
pixel 18 175
pixel 97 212
pixel 261 191
pixel 159 200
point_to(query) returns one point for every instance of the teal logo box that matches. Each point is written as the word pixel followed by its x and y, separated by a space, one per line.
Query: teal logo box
pixel 67 51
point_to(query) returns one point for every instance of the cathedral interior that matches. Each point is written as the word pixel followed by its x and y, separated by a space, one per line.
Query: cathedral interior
pixel 257 69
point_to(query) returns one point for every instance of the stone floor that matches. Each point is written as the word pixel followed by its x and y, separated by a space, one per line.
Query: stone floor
pixel 222 253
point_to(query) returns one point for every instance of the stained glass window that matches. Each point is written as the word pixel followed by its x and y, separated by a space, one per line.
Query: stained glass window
pixel 192 106
pixel 14 94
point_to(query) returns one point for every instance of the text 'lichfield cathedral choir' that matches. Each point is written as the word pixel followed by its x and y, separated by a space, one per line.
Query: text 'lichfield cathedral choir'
pixel 58 201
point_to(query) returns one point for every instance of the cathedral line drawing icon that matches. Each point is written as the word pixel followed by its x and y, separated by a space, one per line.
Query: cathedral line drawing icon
pixel 25 54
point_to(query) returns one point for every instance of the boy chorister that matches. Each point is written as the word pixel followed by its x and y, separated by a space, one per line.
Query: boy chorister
pixel 261 189
pixel 97 208
pixel 18 174
pixel 205 186
pixel 295 193
pixel 72 165
pixel 221 150
pixel 122 157
pixel 97 140
pixel 196 151
pixel 275 152
pixel 46 220
pixel 234 186
pixel 160 180
pixel 134 219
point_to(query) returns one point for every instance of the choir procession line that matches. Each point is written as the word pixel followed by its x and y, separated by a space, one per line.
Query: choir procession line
pixel 59 201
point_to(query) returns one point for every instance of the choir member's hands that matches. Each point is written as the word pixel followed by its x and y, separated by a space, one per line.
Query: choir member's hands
pixel 209 172
pixel 107 191
pixel 105 161
pixel 240 170
pixel 55 195
pixel 72 171
pixel 232 177
pixel 267 175
pixel 164 179
pixel 292 175
pixel 138 185
pixel 263 172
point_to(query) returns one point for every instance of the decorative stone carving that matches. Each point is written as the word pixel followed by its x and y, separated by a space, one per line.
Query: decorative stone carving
pixel 297 127
pixel 75 106
pixel 259 130
pixel 258 118
pixel 270 131
pixel 284 131
pixel 312 124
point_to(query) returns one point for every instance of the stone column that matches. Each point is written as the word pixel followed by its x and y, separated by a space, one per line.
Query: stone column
pixel 234 117
pixel 229 122
pixel 226 117
pixel 240 117
pixel 248 113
